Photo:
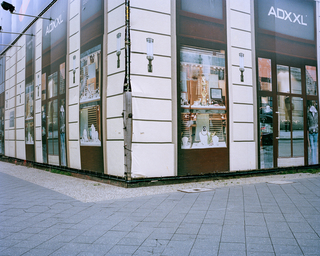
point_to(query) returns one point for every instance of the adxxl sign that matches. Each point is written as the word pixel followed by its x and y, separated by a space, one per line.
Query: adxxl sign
pixel 290 17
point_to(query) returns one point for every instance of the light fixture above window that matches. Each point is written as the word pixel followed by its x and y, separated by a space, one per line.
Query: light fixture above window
pixel 241 65
pixel 118 49
pixel 74 68
pixel 150 53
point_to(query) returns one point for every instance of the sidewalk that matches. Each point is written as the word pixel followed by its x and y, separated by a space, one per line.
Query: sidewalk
pixel 250 219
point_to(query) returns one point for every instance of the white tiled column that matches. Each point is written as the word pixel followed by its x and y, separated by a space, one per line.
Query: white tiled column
pixel 20 99
pixel 242 95
pixel 74 160
pixel 114 95
pixel 153 152
pixel 10 102
pixel 38 93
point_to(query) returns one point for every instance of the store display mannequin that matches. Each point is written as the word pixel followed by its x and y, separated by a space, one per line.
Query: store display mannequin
pixel 204 134
pixel 312 117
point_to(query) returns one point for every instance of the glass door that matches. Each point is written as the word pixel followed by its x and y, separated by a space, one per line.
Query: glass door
pixel 290 127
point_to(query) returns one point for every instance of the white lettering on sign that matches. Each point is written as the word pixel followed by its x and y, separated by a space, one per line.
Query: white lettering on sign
pixel 54 24
pixel 284 15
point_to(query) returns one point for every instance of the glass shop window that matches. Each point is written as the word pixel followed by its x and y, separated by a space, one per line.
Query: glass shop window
pixel 265 76
pixel 311 80
pixel 312 131
pixel 209 8
pixel 90 74
pixel 266 132
pixel 203 98
pixel 29 113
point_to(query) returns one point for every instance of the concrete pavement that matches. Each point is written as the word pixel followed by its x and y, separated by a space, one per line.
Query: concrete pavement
pixel 257 219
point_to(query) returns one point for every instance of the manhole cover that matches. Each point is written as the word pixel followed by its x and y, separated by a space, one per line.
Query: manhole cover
pixel 195 190
pixel 280 182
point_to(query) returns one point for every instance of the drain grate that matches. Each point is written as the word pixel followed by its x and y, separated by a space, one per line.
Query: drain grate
pixel 280 182
pixel 195 190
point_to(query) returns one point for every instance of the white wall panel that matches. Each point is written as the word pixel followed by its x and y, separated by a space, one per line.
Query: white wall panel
pixel 240 152
pixel 235 57
pixel 38 151
pixel 115 158
pixel 115 129
pixel 74 154
pixel 243 132
pixel 114 3
pixel 20 134
pixel 149 131
pixel 115 84
pixel 149 109
pixel 38 133
pixel 116 18
pixel 152 160
pixel 115 106
pixel 74 95
pixel 159 6
pixel 150 21
pixel 240 39
pixel 21 150
pixel 151 87
pixel 74 131
pixel 20 123
pixel 240 5
pixel 74 42
pixel 242 94
pixel 242 113
pixel 74 8
pixel 74 113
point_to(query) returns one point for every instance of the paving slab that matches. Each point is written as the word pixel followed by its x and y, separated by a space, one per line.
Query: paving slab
pixel 245 219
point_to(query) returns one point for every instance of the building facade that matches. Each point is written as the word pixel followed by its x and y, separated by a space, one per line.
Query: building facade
pixel 141 88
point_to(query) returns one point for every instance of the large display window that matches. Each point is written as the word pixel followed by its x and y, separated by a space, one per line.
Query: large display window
pixel 90 84
pixel 203 98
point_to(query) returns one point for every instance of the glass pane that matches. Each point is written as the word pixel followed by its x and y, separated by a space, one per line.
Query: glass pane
pixel 311 80
pixel 50 128
pixel 296 80
pixel 43 86
pixel 313 118
pixel 29 132
pixel 203 99
pixel 53 85
pixel 90 133
pixel 297 127
pixel 283 81
pixel 62 87
pixel 266 132
pixel 63 133
pixel 44 133
pixel 55 128
pixel 265 78
pixel 284 126
pixel 211 8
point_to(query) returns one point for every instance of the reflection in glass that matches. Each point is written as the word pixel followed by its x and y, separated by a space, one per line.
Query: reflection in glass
pixel 52 124
pixel 203 98
pixel 62 83
pixel 296 80
pixel 63 132
pixel 297 127
pixel 283 79
pixel 1 130
pixel 29 129
pixel 90 89
pixel 265 78
pixel 311 80
pixel 312 118
pixel 266 132
pixel 204 7
pixel 90 134
pixel 53 85
pixel 44 132
pixel 284 126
